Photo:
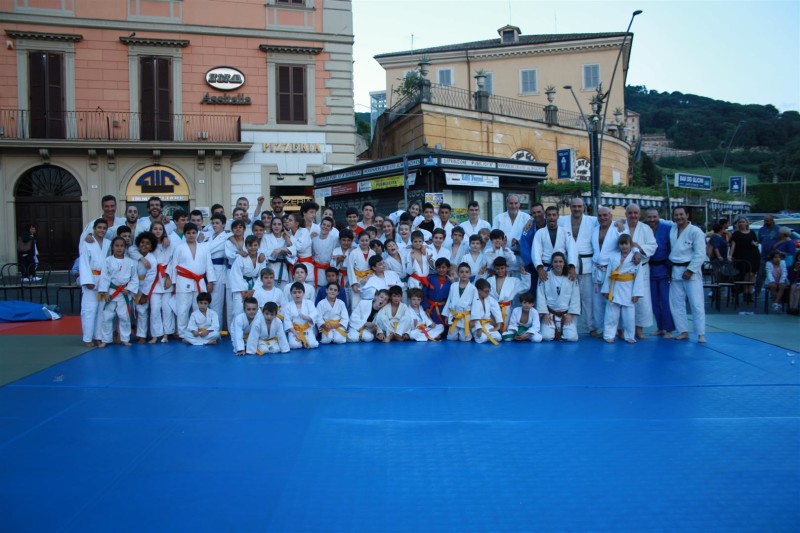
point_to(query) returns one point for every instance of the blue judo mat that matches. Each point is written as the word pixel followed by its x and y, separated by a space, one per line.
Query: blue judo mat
pixel 662 435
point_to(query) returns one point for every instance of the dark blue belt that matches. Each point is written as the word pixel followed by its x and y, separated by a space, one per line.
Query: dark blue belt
pixel 218 261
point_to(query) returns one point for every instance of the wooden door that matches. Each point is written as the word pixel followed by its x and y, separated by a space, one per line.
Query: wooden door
pixel 59 223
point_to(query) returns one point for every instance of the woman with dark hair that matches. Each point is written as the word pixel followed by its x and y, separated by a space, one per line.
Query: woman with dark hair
pixel 28 252
pixel 744 247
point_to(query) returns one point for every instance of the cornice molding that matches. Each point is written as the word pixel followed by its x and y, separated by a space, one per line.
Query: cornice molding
pixel 169 27
pixel 45 36
pixel 154 41
pixel 285 49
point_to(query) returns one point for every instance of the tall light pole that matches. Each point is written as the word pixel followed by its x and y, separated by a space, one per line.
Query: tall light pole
pixel 725 159
pixel 595 125
pixel 592 125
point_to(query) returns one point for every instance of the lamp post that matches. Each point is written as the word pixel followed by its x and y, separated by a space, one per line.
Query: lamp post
pixel 595 124
pixel 592 125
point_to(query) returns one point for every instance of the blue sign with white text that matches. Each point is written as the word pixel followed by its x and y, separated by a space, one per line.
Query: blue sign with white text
pixel 735 184
pixel 693 181
pixel 564 164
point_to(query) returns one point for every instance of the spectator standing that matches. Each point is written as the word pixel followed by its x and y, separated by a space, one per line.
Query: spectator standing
pixel 744 247
pixel 28 252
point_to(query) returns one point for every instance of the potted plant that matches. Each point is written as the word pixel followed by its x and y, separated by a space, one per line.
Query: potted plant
pixel 480 78
pixel 424 65
pixel 550 91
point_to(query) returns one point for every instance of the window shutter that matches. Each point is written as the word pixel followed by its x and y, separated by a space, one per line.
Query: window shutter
pixel 163 98
pixel 55 96
pixel 291 94
pixel 299 94
pixel 147 100
pixel 155 98
pixel 46 95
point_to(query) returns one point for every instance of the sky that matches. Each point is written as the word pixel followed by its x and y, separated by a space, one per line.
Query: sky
pixel 746 52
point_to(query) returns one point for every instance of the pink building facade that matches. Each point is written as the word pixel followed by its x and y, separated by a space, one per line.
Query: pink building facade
pixel 197 102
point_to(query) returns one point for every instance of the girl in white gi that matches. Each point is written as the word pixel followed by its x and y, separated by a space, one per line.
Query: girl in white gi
pixel 357 266
pixel 145 243
pixel 423 327
pixel 203 323
pixel 393 320
pixel 244 274
pixel 332 317
pixel 191 263
pixel 241 329
pixel 322 247
pixel 267 332
pixel 506 288
pixel 459 305
pixel 300 315
pixel 558 302
pixel 162 317
pixel 117 286
pixel 278 247
pixel 622 288
pixel 417 266
pixel 363 326
pixel 523 325
pixel 485 315
pixel 268 292
pixel 393 259
pixel 300 276
pixel 301 240
pixel 92 256
pixel 234 247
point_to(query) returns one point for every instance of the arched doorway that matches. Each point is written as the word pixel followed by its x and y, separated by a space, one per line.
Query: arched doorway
pixel 50 197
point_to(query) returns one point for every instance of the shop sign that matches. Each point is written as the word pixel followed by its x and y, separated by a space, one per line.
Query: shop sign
pixel 345 188
pixel 467 163
pixel 472 180
pixel 294 202
pixel 157 180
pixel 380 183
pixel 296 148
pixel 225 78
pixel 225 99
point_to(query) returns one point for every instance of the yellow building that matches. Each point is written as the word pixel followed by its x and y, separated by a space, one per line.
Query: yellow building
pixel 505 98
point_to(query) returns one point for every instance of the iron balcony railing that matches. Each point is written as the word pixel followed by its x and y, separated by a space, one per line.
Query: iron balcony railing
pixel 102 125
pixel 457 98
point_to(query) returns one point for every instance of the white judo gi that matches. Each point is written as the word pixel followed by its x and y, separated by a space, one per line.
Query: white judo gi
pixel 117 275
pixel 531 326
pixel 510 289
pixel 556 297
pixel 333 316
pixel 147 277
pixel 481 313
pixel 299 332
pixel 267 338
pixel 92 257
pixel 647 245
pixel 583 247
pixel 200 322
pixel 457 310
pixel 187 275
pixel 602 253
pixel 688 252
pixel 621 291
pixel 423 328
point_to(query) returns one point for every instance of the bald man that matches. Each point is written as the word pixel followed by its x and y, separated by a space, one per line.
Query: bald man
pixel 644 243
pixel 581 226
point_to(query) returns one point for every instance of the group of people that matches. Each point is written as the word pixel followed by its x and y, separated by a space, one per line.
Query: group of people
pixel 284 281
pixel 764 258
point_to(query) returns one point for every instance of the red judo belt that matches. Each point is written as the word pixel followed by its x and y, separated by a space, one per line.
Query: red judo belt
pixel 186 273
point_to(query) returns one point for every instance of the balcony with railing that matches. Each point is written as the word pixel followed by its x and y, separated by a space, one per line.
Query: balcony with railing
pixel 118 126
pixel 457 98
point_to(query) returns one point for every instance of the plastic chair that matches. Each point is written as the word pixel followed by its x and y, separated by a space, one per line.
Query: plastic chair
pixel 71 287
pixel 37 279
pixel 744 270
pixel 11 279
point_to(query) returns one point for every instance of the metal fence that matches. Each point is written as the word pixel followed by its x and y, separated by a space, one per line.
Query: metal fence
pixel 457 98
pixel 102 125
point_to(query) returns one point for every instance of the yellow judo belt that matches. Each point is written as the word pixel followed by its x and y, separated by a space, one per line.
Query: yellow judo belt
pixel 300 333
pixel 483 322
pixel 458 316
pixel 334 325
pixel 615 276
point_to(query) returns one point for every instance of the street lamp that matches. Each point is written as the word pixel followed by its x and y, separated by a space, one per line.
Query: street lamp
pixel 595 126
pixel 592 125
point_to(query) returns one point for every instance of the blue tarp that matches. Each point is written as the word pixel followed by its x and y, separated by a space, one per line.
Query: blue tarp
pixel 19 311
